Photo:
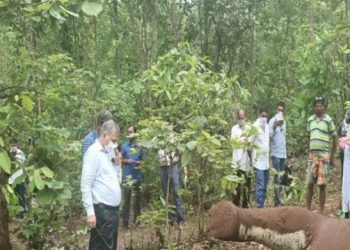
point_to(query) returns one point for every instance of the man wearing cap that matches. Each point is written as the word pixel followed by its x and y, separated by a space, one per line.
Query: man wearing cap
pixel 322 132
pixel 277 132
pixel 91 137
pixel 133 157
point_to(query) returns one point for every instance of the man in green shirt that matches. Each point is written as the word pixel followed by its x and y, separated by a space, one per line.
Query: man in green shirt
pixel 322 132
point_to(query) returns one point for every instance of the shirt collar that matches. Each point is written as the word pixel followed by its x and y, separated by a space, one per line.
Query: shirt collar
pixel 99 146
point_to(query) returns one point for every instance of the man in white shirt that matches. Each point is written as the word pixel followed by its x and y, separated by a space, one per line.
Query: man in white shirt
pixel 260 156
pixel 240 158
pixel 100 188
pixel 20 187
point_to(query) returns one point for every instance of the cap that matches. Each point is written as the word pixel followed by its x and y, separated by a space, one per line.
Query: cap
pixel 104 116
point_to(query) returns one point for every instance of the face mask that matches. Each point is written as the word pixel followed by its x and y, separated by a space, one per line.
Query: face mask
pixel 111 146
pixel 241 123
pixel 262 122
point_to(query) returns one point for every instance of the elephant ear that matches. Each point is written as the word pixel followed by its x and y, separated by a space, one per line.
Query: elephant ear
pixel 224 221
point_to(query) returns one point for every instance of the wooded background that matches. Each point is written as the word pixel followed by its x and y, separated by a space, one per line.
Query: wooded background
pixel 182 68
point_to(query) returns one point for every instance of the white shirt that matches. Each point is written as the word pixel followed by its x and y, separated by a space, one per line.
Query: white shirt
pixel 260 155
pixel 165 160
pixel 99 179
pixel 278 139
pixel 20 158
pixel 240 156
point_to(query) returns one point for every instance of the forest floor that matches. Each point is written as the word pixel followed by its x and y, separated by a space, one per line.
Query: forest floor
pixel 187 237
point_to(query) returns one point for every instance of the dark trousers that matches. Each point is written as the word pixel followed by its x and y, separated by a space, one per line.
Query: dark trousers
pixel 174 185
pixel 136 188
pixel 104 235
pixel 20 190
pixel 243 188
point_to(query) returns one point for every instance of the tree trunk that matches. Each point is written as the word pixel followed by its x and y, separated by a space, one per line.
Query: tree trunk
pixel 4 219
pixel 252 72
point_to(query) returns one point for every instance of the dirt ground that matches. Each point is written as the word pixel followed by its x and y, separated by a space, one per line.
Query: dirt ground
pixel 186 238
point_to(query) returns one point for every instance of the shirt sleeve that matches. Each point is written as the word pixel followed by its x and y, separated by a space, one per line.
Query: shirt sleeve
pixel 331 128
pixel 308 126
pixel 90 167
pixel 271 131
pixel 124 152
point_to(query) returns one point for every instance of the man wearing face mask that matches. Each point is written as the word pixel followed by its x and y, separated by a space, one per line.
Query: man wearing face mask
pixel 322 131
pixel 133 157
pixel 240 158
pixel 100 189
pixel 260 157
pixel 277 132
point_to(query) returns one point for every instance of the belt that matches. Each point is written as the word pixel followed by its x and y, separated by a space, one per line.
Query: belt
pixel 104 206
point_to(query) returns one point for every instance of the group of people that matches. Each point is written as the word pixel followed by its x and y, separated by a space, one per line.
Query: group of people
pixel 106 167
pixel 253 143
pixel 109 169
pixel 252 150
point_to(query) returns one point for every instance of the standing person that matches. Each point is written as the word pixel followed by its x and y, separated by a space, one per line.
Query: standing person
pixel 260 156
pixel 133 157
pixel 344 146
pixel 241 158
pixel 342 133
pixel 91 137
pixel 169 168
pixel 100 189
pixel 277 132
pixel 20 188
pixel 322 130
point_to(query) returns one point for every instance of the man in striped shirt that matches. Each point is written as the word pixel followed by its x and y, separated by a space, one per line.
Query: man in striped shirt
pixel 322 132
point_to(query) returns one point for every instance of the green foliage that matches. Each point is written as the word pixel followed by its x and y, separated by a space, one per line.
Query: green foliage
pixel 182 67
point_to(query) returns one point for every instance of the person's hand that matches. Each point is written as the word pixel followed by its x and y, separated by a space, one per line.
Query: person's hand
pixel 91 221
pixel 118 159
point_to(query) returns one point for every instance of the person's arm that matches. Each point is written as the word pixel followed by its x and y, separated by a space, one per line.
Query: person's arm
pixel 333 133
pixel 125 159
pixel 141 157
pixel 272 127
pixel 88 175
pixel 334 148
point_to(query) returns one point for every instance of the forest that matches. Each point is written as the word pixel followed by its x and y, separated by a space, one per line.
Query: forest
pixel 180 70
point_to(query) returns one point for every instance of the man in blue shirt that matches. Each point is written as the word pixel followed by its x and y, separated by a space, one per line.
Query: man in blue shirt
pixel 277 132
pixel 91 137
pixel 100 189
pixel 133 156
